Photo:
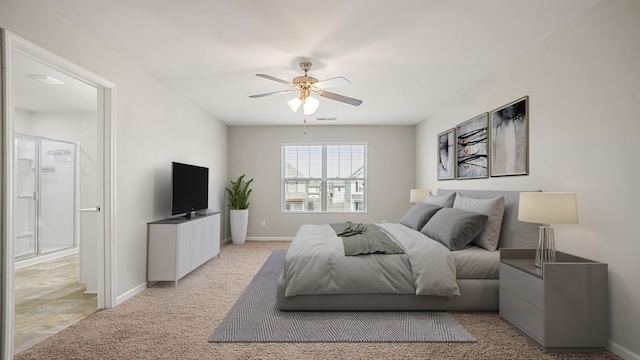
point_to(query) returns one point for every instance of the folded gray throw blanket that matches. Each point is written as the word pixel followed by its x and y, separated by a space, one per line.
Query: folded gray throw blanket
pixel 362 239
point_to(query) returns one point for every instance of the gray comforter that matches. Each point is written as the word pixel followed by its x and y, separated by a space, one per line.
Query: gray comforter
pixel 316 264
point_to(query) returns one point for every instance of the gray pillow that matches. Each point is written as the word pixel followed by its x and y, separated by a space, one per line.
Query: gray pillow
pixel 418 215
pixel 494 208
pixel 454 228
pixel 444 200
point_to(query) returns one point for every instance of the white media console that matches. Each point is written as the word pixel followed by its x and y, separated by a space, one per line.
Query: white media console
pixel 177 246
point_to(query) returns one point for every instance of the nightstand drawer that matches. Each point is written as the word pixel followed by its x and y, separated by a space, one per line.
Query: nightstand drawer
pixel 526 317
pixel 522 285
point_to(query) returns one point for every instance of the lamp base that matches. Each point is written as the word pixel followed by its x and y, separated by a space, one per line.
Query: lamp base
pixel 546 251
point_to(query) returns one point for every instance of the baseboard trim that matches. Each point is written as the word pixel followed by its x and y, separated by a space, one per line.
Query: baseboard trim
pixel 260 238
pixel 46 257
pixel 622 351
pixel 131 293
pixel 269 238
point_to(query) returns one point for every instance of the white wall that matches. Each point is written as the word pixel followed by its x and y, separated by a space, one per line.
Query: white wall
pixel 154 126
pixel 584 90
pixel 255 151
pixel 22 122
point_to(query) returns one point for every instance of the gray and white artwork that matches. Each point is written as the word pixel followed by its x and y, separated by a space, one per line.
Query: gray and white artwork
pixel 472 148
pixel 446 155
pixel 509 137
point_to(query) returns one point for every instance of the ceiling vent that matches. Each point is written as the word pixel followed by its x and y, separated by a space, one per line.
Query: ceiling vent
pixel 49 80
pixel 326 118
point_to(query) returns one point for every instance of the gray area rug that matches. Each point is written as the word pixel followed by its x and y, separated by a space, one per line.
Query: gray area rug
pixel 255 317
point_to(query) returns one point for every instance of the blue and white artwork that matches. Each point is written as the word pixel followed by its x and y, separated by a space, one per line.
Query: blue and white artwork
pixel 509 139
pixel 446 155
pixel 472 148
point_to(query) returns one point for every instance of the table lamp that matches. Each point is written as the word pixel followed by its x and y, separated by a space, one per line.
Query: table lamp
pixel 547 208
pixel 418 195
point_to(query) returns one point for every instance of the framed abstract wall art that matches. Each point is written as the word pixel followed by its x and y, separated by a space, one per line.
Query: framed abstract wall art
pixel 447 155
pixel 510 139
pixel 472 148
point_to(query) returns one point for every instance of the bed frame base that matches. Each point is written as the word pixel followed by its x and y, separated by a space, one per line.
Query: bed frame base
pixel 477 295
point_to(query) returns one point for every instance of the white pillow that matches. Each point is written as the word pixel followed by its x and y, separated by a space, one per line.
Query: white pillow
pixel 494 208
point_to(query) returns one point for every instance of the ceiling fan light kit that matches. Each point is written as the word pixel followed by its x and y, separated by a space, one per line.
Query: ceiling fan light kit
pixel 294 104
pixel 306 85
pixel 310 105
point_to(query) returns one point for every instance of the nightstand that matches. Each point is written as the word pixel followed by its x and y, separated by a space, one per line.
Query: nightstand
pixel 562 306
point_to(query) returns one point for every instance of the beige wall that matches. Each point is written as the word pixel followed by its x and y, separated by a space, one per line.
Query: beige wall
pixel 584 127
pixel 255 151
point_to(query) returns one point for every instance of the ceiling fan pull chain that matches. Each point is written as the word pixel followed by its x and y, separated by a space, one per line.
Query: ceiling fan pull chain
pixel 305 126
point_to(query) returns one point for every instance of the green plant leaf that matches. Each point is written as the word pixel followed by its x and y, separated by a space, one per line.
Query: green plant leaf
pixel 239 193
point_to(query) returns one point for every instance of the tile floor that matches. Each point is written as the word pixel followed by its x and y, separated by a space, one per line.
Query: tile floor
pixel 48 300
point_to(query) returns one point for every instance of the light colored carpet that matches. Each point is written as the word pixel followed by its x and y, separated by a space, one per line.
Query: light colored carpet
pixel 255 317
pixel 164 322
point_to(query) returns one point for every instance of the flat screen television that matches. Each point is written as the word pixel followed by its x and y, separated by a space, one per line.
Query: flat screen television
pixel 189 188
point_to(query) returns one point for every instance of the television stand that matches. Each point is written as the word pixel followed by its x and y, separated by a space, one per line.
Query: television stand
pixel 177 246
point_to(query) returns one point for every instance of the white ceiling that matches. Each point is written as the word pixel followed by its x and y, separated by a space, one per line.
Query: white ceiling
pixel 405 59
pixel 33 95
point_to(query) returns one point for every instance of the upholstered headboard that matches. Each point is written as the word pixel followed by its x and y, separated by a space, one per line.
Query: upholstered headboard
pixel 514 233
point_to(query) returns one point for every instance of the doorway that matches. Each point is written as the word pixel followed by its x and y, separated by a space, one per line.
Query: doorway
pixel 92 204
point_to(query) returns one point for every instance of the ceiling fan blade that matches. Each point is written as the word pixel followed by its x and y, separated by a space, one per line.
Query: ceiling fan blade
pixel 275 79
pixel 273 93
pixel 341 98
pixel 333 82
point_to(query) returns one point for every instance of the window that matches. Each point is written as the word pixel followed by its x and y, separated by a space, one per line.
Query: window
pixel 324 178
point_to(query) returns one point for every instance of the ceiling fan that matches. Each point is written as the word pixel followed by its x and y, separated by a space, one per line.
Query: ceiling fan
pixel 307 85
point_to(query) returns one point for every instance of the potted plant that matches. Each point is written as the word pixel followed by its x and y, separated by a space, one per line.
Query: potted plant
pixel 239 208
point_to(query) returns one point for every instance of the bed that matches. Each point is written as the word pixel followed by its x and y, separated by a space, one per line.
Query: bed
pixel 319 277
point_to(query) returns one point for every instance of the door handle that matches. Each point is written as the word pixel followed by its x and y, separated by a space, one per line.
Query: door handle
pixel 92 209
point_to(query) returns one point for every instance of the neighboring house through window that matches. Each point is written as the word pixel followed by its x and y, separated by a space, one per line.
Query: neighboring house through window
pixel 324 177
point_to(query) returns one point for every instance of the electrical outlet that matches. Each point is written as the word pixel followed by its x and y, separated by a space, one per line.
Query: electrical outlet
pixel 384 221
pixel 264 223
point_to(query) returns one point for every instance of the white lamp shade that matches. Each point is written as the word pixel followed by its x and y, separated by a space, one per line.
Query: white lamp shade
pixel 548 207
pixel 418 195
pixel 310 105
pixel 294 104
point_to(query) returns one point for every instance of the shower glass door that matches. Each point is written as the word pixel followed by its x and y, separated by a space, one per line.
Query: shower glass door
pixel 26 205
pixel 57 196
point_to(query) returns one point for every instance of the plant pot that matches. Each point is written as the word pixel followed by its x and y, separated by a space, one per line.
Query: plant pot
pixel 239 219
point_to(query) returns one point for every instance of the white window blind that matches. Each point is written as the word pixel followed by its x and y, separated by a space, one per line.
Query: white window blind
pixel 324 177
